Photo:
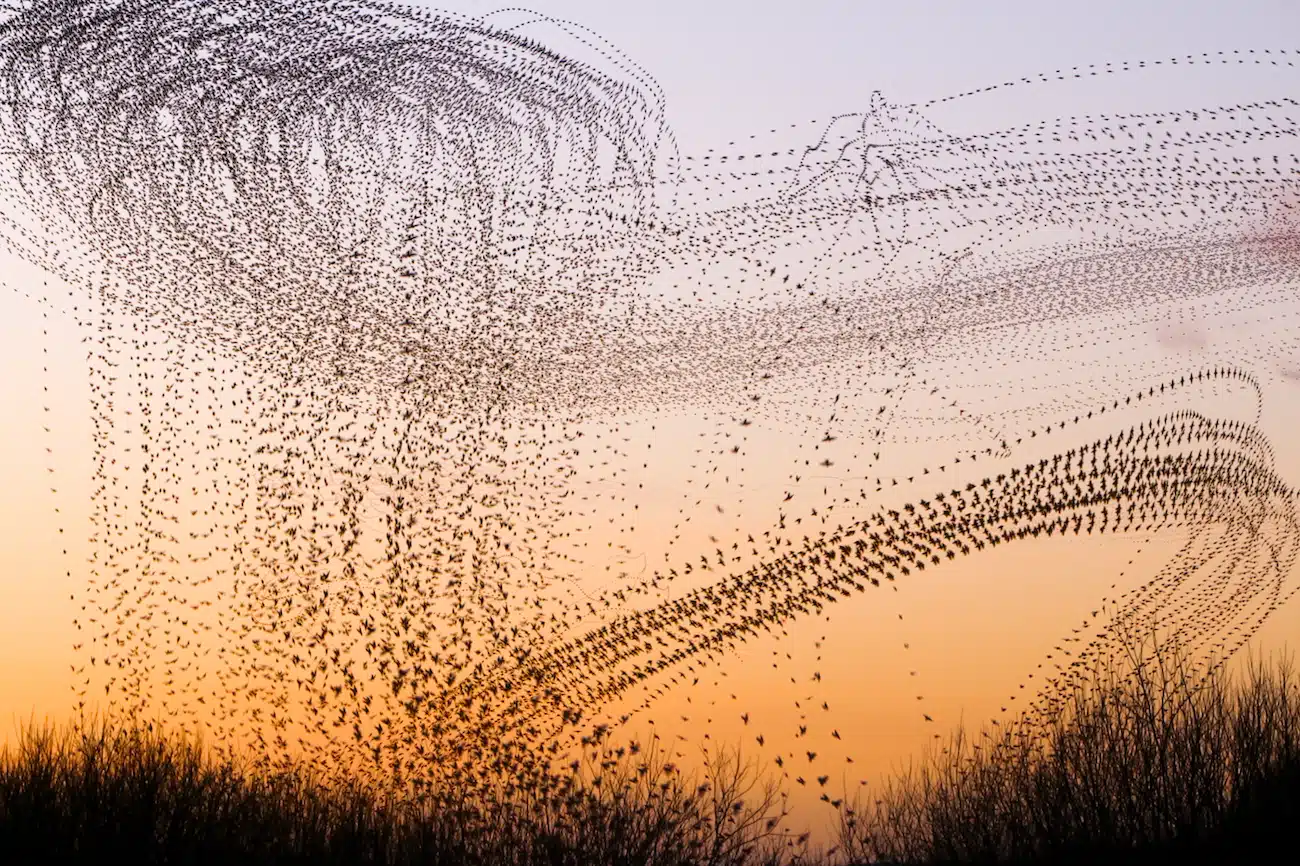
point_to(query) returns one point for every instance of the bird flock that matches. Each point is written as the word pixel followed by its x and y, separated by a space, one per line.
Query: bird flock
pixel 447 415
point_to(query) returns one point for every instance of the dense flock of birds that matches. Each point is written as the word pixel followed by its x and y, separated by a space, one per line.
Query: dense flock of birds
pixel 447 415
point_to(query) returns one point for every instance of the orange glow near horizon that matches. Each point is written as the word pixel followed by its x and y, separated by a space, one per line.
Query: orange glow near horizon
pixel 383 421
pixel 955 644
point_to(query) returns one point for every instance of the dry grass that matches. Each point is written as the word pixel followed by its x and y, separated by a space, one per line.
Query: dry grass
pixel 103 792
pixel 1151 764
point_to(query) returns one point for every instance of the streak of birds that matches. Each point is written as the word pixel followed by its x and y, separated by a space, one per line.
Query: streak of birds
pixel 442 404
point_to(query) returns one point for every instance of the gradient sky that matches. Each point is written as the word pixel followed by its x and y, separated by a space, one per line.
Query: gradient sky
pixel 730 68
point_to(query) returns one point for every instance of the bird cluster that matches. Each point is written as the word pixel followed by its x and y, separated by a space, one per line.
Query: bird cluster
pixel 441 403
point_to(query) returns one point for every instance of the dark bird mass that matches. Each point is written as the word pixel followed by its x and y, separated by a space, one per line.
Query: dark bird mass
pixel 447 413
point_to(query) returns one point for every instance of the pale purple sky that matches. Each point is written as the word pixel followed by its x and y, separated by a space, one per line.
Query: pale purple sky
pixel 735 66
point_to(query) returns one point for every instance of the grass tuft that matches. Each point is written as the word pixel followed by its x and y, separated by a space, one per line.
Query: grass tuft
pixel 1156 762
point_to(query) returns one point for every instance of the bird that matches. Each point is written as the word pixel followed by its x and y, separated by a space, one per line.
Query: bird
pixel 403 445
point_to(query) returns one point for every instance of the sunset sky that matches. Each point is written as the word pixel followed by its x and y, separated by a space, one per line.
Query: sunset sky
pixel 962 638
